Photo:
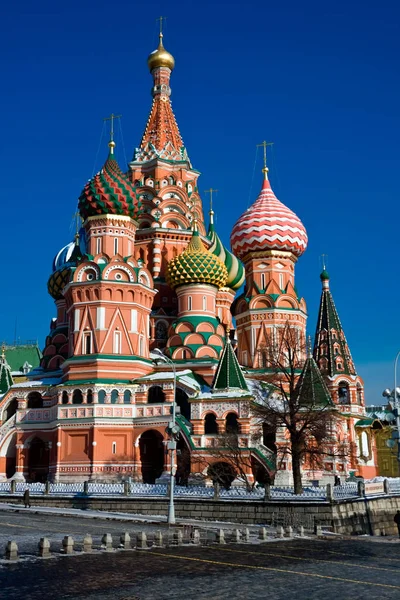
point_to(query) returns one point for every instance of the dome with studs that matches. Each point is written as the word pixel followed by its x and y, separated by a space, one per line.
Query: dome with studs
pixel 233 265
pixel 109 192
pixel 196 265
pixel 268 225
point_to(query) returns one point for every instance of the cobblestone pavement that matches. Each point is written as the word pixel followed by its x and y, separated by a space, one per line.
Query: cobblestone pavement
pixel 302 569
pixel 26 528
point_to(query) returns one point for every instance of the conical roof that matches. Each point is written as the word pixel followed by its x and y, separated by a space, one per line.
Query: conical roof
pixel 311 390
pixel 229 374
pixel 109 192
pixel 331 350
pixel 6 380
pixel 233 265
pixel 268 225
pixel 196 265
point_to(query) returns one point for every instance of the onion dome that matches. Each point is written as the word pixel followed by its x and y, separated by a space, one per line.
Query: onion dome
pixel 160 57
pixel 109 192
pixel 324 275
pixel 268 225
pixel 196 265
pixel 63 263
pixel 234 267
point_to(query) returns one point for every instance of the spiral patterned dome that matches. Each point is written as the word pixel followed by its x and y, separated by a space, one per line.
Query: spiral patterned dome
pixel 196 265
pixel 268 225
pixel 109 192
pixel 234 267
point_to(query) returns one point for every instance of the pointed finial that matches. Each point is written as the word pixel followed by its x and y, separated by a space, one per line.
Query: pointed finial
pixel 264 145
pixel 3 351
pixel 161 19
pixel 324 275
pixel 211 213
pixel 228 331
pixel 194 225
pixel 111 143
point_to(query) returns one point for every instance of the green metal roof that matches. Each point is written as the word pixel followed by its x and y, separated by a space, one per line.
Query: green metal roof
pixel 6 379
pixel 229 374
pixel 18 355
pixel 311 389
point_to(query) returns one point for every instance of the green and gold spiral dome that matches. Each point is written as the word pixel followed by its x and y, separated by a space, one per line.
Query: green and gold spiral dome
pixel 196 265
pixel 233 265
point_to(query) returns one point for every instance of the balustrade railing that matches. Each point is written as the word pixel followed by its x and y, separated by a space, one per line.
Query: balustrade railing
pixel 346 491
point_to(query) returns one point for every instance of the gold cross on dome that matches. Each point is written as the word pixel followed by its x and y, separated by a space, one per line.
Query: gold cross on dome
pixel 111 118
pixel 265 144
pixel 161 19
pixel 210 191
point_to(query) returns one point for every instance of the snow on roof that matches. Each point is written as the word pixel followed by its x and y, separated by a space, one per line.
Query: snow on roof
pixel 37 383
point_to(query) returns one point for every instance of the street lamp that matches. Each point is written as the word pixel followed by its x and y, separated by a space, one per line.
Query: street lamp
pixel 395 394
pixel 173 430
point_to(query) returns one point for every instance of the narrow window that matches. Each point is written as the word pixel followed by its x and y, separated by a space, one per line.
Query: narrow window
pixel 87 342
pixel 77 318
pixel 189 302
pixel 263 281
pixel 141 345
pixel 115 245
pixel 204 303
pixel 134 320
pixel 281 280
pixel 98 245
pixel 114 448
pixel 117 342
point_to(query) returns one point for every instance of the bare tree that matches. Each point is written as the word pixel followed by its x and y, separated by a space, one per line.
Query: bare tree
pixel 227 460
pixel 301 404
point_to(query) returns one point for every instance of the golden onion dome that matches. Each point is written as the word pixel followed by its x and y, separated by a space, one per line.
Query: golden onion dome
pixel 160 57
pixel 196 265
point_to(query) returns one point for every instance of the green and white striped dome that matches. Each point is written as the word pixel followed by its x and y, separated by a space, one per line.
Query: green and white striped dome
pixel 233 265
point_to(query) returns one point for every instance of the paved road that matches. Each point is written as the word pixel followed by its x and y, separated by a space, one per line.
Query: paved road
pixel 301 569
pixel 26 528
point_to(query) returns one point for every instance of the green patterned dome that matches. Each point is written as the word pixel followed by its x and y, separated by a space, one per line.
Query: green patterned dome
pixel 233 265
pixel 109 192
pixel 196 265
pixel 57 282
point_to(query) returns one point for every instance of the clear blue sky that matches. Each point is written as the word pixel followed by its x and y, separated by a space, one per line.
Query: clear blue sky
pixel 319 79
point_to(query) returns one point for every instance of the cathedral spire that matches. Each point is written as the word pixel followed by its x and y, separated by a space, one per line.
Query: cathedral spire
pixel 331 351
pixel 161 138
pixel 229 374
pixel 6 380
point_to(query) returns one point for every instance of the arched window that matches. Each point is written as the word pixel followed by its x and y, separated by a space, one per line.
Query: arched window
pixel 343 392
pixel 127 396
pixel 155 395
pixel 77 397
pixel 101 396
pixel 232 423
pixel 35 400
pixel 64 399
pixel 189 303
pixel 210 423
pixel 114 396
pixel 269 437
pixel 183 403
pixel 89 397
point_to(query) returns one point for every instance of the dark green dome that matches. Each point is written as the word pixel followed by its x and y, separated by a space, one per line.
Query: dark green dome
pixel 324 275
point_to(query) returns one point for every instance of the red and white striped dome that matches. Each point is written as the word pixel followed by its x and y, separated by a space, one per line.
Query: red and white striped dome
pixel 268 225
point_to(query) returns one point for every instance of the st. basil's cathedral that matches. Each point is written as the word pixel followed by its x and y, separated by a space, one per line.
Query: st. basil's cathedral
pixel 146 290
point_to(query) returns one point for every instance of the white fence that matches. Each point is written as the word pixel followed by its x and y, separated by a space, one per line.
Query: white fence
pixel 139 490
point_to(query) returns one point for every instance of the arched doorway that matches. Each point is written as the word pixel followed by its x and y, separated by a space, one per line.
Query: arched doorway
pixel 9 450
pixel 38 460
pixel 182 400
pixel 151 455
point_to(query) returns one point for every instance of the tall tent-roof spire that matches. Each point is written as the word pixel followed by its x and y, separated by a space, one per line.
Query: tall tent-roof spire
pixel 229 374
pixel 161 138
pixel 331 351
pixel 6 380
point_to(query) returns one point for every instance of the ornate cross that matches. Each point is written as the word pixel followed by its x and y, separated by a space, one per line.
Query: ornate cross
pixel 265 144
pixel 111 118
pixel 210 191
